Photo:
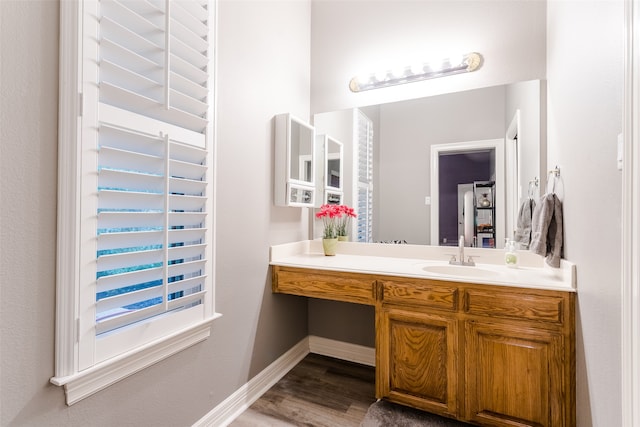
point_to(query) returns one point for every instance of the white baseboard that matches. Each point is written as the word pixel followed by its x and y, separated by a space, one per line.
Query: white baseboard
pixel 229 409
pixel 342 350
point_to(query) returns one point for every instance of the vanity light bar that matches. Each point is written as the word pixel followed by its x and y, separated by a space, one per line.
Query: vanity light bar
pixel 429 70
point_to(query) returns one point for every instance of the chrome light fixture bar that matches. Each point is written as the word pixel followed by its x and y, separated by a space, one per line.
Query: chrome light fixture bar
pixel 429 70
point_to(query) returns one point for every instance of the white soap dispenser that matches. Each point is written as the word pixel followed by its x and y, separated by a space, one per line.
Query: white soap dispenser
pixel 510 254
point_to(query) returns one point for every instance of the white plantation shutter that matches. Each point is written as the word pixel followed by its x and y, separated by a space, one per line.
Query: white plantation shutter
pixel 154 59
pixel 136 211
pixel 364 183
pixel 147 120
pixel 150 227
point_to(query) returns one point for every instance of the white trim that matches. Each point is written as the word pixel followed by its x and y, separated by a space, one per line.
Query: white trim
pixel 212 131
pixel 342 350
pixel 85 383
pixel 80 383
pixel 241 399
pixel 436 149
pixel 234 405
pixel 630 319
pixel 68 182
pixel 513 187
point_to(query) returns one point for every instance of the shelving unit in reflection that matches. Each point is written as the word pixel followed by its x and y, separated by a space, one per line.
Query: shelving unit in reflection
pixel 484 214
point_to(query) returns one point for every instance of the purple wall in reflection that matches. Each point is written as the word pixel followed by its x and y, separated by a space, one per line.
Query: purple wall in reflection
pixel 454 169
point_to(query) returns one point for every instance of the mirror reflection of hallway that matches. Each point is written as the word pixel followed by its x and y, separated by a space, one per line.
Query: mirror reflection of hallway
pixel 466 163
pixel 457 173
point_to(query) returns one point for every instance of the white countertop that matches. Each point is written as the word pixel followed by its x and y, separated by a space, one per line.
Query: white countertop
pixel 412 260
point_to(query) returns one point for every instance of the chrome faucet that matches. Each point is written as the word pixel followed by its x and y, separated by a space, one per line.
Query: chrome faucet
pixel 461 260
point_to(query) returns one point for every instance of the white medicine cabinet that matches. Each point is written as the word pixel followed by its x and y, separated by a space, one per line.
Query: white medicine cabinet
pixel 295 162
pixel 331 170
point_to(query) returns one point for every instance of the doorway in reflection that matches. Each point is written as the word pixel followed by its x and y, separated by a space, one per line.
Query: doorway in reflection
pixel 456 174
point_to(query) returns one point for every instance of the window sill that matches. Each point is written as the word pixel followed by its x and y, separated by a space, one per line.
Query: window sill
pixel 85 383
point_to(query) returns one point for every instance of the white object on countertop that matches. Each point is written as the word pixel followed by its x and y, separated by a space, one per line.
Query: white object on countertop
pixel 468 216
pixel 510 254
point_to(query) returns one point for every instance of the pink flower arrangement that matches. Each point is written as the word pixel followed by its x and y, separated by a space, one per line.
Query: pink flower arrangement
pixel 336 220
pixel 344 221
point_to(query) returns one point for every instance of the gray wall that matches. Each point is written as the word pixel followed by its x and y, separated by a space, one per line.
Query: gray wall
pixel 262 71
pixel 351 38
pixel 584 119
pixel 532 140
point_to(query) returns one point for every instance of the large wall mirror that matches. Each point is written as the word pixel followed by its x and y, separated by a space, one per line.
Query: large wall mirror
pixel 405 131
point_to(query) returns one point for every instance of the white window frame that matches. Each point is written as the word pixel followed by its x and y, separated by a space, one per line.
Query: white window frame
pixel 363 140
pixel 79 383
pixel 630 286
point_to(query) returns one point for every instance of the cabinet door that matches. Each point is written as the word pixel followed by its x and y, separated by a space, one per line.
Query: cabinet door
pixel 417 359
pixel 514 375
pixel 345 287
pixel 295 162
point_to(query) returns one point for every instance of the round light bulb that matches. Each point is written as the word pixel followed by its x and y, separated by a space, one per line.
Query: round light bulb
pixel 417 69
pixel 398 72
pixel 381 76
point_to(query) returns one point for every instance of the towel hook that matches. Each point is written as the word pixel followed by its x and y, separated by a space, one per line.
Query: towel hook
pixel 556 174
pixel 532 186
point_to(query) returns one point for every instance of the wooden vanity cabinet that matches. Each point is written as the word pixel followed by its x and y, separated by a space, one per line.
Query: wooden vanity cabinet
pixel 417 348
pixel 417 360
pixel 485 354
pixel 519 356
pixel 514 376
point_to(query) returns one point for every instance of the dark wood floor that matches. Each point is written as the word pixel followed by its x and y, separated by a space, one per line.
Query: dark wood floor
pixel 320 392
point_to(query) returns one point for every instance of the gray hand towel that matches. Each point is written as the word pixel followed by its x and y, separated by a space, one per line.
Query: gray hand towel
pixel 523 226
pixel 546 229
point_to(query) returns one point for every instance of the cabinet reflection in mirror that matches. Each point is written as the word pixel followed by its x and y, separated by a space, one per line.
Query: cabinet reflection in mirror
pixel 295 162
pixel 331 169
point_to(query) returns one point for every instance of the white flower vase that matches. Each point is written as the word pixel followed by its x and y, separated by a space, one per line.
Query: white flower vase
pixel 329 246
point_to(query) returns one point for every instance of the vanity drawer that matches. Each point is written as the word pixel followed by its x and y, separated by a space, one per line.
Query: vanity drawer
pixel 420 292
pixel 515 305
pixel 347 287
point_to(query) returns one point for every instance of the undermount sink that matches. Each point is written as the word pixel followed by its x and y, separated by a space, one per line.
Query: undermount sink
pixel 458 270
